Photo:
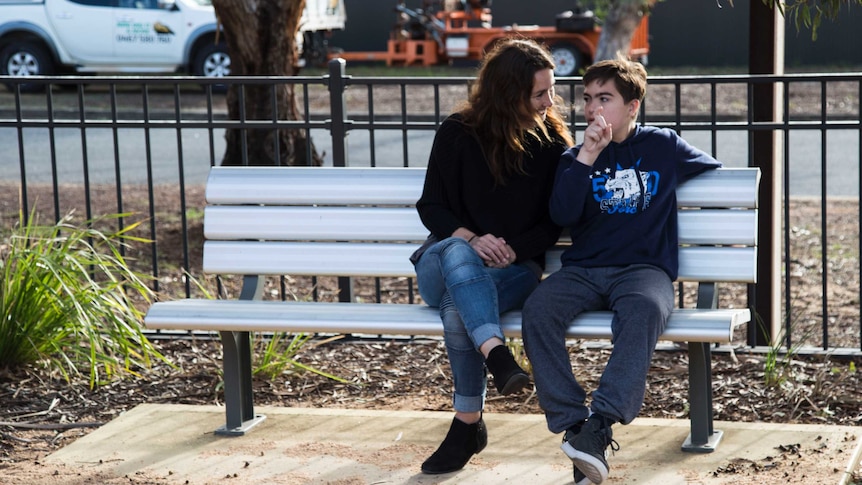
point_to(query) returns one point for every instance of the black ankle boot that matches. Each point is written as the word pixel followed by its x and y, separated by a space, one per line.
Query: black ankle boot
pixel 462 442
pixel 509 377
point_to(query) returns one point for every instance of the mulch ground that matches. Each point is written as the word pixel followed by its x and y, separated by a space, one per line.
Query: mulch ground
pixel 42 412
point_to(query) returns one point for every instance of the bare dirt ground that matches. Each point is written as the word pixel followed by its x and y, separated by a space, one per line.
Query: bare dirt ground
pixel 41 412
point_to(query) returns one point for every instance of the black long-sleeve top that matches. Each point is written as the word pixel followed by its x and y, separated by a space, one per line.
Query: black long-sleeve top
pixel 460 191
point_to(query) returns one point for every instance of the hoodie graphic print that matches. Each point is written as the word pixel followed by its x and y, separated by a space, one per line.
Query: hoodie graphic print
pixel 622 210
pixel 625 190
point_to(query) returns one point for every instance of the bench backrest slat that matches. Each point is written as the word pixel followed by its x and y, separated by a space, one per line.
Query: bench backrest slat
pixel 728 187
pixel 697 263
pixel 707 226
pixel 361 222
pixel 322 185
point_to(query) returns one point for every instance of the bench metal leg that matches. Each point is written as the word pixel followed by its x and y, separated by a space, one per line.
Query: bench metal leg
pixel 238 398
pixel 703 438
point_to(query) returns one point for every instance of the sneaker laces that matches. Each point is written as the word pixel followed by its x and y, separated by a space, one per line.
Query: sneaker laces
pixel 608 440
pixel 602 439
pixel 606 435
pixel 614 446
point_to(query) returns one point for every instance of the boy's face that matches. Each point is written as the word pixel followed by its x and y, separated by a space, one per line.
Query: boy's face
pixel 605 100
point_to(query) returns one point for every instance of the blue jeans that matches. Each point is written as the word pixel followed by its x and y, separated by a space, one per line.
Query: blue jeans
pixel 641 297
pixel 470 296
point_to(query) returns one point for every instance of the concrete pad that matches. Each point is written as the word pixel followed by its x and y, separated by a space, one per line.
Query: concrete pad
pixel 175 444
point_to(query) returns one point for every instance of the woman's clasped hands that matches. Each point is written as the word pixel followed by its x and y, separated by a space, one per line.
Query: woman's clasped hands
pixel 493 250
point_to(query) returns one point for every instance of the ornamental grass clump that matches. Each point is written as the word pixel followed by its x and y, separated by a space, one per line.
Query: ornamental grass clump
pixel 68 298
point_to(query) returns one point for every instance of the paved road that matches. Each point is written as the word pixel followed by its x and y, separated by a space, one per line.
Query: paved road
pixel 842 148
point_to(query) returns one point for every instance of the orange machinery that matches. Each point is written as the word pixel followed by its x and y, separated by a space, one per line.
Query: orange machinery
pixel 434 35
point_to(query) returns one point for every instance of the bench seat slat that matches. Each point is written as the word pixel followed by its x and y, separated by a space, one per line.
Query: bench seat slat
pixel 727 187
pixel 391 259
pixel 684 325
pixel 708 226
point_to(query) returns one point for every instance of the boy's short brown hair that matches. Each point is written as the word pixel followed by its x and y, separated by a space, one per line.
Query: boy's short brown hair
pixel 629 77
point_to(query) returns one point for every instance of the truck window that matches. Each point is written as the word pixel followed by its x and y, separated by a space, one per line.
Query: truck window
pixel 140 4
pixel 96 3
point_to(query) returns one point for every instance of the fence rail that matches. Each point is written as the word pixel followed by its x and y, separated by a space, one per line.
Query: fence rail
pixel 143 146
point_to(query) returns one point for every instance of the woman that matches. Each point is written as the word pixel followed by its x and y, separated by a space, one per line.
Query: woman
pixel 485 202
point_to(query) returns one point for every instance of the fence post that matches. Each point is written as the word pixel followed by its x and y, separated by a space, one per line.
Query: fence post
pixel 766 56
pixel 338 126
pixel 338 123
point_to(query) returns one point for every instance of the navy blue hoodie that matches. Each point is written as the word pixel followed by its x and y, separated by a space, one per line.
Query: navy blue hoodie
pixel 622 210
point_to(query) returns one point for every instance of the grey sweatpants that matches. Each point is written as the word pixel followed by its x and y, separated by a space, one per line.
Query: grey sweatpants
pixel 641 297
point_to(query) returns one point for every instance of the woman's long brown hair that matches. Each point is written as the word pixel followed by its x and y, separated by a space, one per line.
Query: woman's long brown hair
pixel 499 110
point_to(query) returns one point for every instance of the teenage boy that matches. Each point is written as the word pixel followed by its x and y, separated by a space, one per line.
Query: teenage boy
pixel 616 193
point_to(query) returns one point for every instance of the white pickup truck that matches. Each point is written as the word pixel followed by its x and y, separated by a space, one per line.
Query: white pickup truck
pixel 55 37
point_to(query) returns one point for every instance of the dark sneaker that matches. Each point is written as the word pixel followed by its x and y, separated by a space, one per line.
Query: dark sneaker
pixel 580 478
pixel 461 443
pixel 588 449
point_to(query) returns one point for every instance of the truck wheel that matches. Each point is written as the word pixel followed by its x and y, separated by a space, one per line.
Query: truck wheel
pixel 567 58
pixel 212 60
pixel 24 60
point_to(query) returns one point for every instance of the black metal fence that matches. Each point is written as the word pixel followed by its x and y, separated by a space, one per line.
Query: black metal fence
pixel 143 146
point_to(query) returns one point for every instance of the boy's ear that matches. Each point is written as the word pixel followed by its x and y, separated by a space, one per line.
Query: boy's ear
pixel 634 105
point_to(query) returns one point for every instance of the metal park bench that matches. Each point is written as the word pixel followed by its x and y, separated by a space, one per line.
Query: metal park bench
pixel 354 222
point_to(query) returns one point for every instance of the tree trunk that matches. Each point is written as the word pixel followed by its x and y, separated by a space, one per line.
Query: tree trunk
pixel 261 39
pixel 620 24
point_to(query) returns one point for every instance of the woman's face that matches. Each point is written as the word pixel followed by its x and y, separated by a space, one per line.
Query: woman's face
pixel 542 96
